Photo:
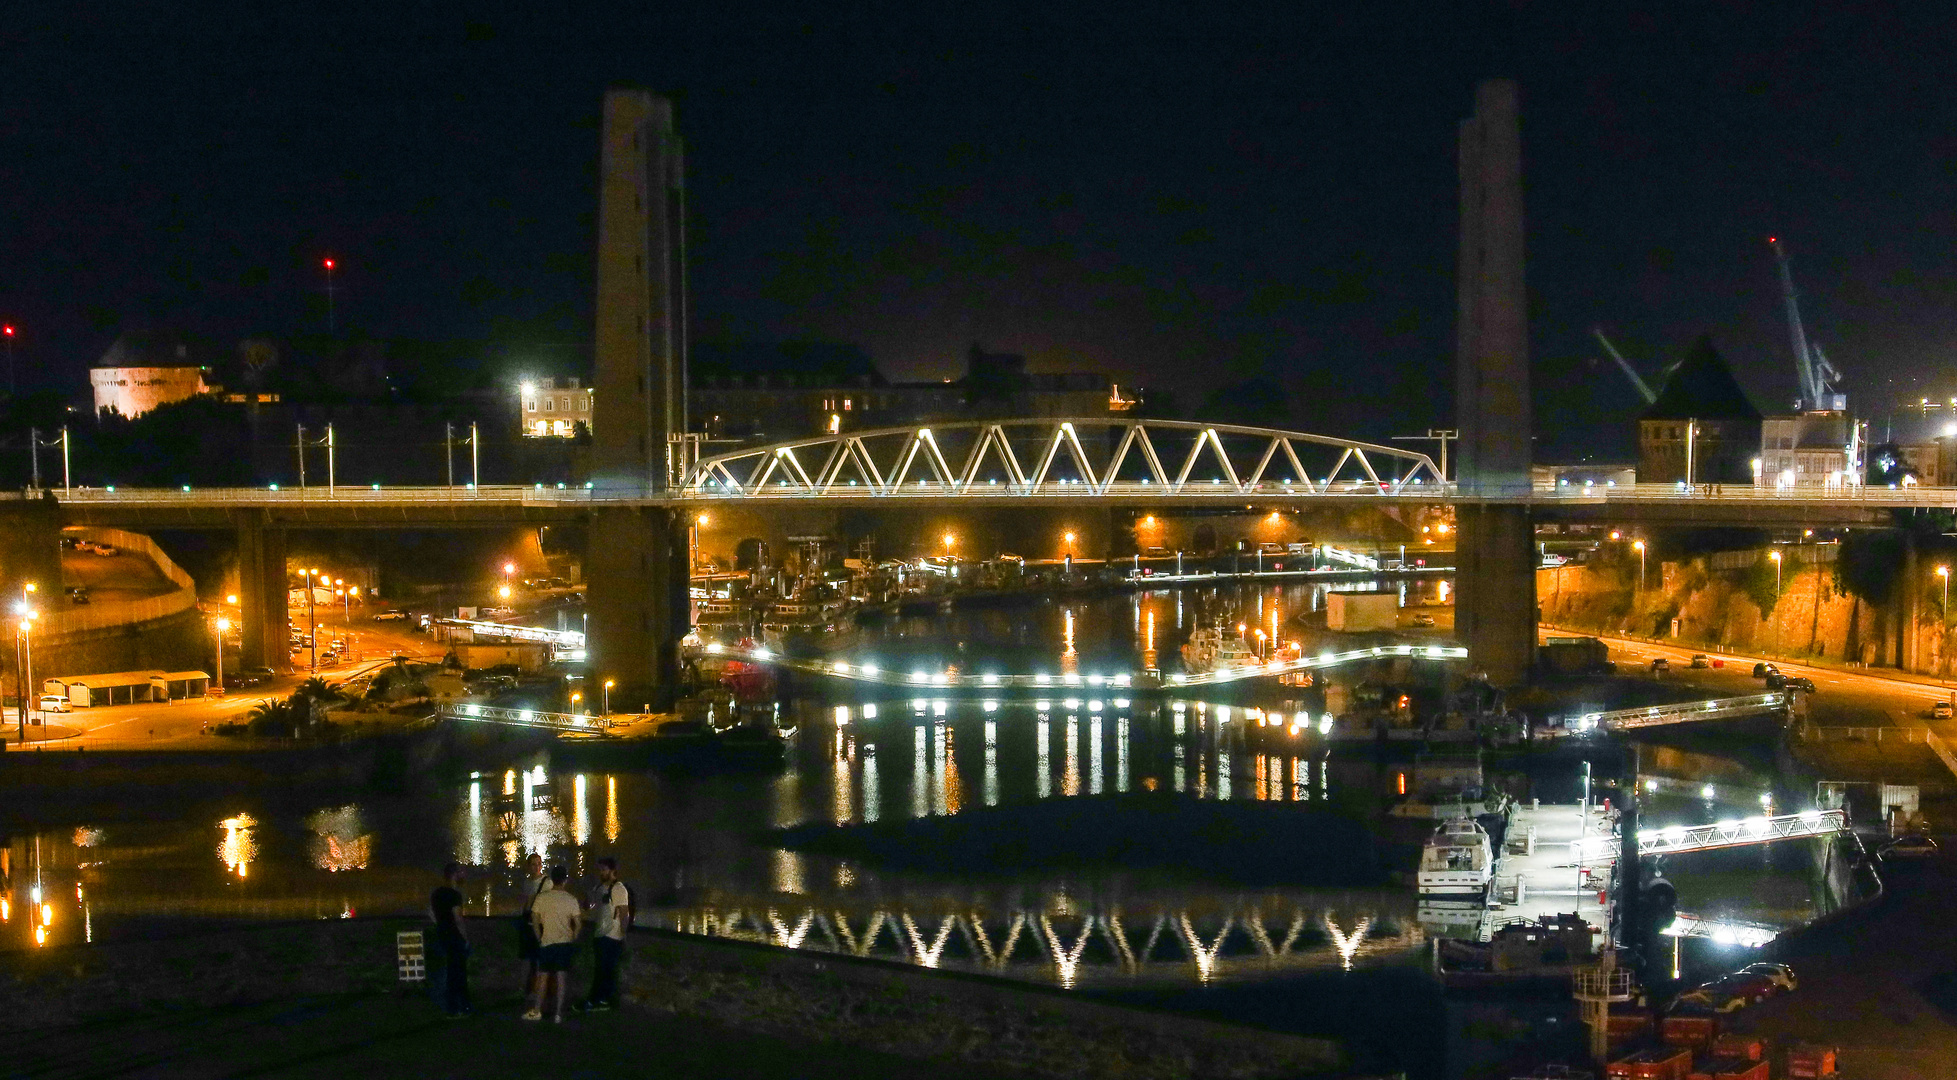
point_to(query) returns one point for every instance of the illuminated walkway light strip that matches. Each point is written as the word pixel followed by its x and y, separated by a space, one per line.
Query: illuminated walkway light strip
pixel 871 673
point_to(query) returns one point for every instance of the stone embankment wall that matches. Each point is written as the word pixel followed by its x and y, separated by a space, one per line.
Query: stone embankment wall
pixel 1694 604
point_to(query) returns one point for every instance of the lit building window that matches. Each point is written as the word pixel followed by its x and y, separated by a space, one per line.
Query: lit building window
pixel 835 423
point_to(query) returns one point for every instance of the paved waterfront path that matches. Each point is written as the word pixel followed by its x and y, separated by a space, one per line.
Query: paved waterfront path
pixel 365 1035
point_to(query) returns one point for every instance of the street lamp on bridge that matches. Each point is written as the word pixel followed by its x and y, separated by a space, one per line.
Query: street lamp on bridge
pixel 1638 546
pixel 608 697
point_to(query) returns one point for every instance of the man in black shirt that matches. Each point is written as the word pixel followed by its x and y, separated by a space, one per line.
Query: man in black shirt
pixel 445 905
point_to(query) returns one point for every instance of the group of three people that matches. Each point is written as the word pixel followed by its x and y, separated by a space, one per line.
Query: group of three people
pixel 548 925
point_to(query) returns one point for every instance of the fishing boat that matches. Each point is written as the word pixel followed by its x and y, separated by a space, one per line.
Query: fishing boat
pixel 1217 648
pixel 805 623
pixel 1457 860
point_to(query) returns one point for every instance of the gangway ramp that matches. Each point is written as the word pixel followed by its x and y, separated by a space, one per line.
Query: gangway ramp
pixel 1648 716
pixel 1682 839
pixel 531 718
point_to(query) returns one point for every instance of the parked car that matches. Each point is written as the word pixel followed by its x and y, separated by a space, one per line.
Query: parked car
pixel 1701 660
pixel 54 703
pixel 1156 551
pixel 1780 975
pixel 1942 710
pixel 1726 994
pixel 1798 682
pixel 1660 664
pixel 1907 848
pixel 105 550
pixel 1423 619
pixel 78 594
pixel 1763 669
pixel 68 543
pixel 1775 680
pixel 254 676
pixel 391 615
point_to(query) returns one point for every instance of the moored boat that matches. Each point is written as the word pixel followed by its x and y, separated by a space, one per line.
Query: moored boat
pixel 1457 860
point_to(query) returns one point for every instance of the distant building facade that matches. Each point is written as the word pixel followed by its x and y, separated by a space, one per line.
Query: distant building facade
pixel 1809 449
pixel 141 371
pixel 1702 429
pixel 133 391
pixel 550 411
pixel 758 403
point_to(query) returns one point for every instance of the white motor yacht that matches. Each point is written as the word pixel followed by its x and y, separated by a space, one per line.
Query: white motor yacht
pixel 1457 860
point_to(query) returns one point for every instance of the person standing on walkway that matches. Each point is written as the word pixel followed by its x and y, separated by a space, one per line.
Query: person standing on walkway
pixel 445 906
pixel 535 884
pixel 557 918
pixel 611 916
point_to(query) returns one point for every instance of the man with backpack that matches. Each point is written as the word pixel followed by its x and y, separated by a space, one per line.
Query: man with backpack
pixel 611 914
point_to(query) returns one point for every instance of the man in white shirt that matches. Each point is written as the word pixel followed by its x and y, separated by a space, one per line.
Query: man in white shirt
pixel 556 917
pixel 611 908
pixel 535 883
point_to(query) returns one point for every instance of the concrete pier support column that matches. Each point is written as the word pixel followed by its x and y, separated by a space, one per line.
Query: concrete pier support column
pixel 1495 590
pixel 1910 600
pixel 262 593
pixel 636 582
pixel 1495 606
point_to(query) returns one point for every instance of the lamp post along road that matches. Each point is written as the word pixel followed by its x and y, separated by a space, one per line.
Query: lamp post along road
pixel 222 626
pixel 1943 642
pixel 1775 556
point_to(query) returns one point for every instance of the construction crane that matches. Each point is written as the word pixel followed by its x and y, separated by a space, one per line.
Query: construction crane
pixel 1644 388
pixel 1812 371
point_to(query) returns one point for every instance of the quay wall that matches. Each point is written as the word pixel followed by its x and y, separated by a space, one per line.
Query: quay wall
pixel 1696 605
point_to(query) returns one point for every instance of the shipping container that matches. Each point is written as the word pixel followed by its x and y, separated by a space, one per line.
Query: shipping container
pixel 1735 1045
pixel 1809 1062
pixel 1729 1069
pixel 1657 1063
pixel 1696 1032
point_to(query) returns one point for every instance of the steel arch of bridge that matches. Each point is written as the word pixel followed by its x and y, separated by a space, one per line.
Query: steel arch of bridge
pixel 1049 457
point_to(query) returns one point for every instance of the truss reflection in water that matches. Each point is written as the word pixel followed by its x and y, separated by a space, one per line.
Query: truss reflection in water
pixel 1063 944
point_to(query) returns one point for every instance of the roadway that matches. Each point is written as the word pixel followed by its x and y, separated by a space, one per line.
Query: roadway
pixel 185 724
pixel 1845 697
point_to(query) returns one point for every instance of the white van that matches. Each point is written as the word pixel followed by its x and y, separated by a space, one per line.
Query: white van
pixel 53 703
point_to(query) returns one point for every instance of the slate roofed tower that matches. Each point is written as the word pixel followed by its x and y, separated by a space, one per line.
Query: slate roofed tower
pixel 1702 409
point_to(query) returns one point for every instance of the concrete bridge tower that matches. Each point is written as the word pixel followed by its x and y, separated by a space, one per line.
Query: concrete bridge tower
pixel 1495 599
pixel 636 562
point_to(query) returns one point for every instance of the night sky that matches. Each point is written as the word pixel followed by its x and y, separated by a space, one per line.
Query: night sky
pixel 1178 199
